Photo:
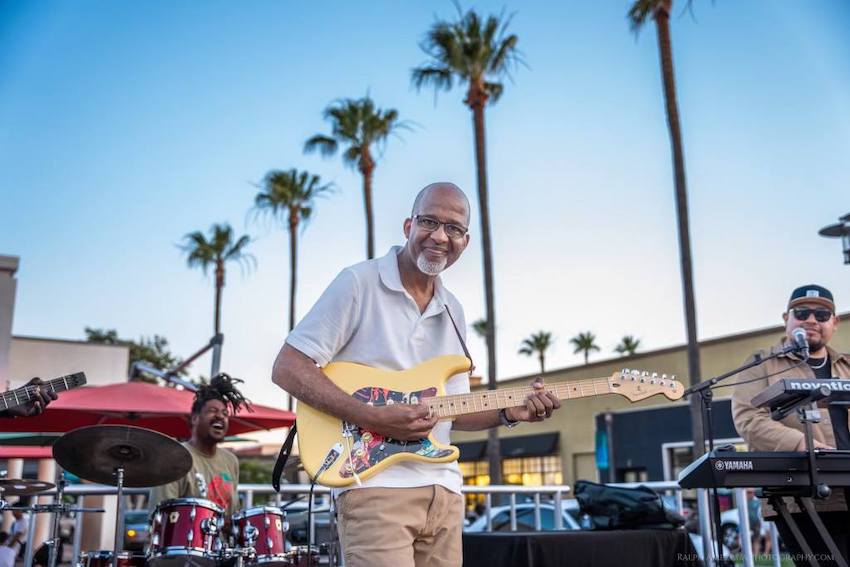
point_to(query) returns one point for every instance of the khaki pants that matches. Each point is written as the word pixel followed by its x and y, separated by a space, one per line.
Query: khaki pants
pixel 401 527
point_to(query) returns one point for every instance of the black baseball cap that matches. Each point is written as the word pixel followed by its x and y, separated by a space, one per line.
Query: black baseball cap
pixel 812 294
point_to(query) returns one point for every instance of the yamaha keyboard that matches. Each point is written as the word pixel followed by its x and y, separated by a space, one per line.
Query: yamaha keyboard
pixel 732 469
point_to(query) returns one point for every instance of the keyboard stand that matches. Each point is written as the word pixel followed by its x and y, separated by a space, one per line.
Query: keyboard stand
pixel 805 503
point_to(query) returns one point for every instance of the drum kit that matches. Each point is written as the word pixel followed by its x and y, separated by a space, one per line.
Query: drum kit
pixel 184 531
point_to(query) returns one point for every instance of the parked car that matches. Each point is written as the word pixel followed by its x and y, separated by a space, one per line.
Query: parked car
pixel 136 529
pixel 501 519
pixel 299 529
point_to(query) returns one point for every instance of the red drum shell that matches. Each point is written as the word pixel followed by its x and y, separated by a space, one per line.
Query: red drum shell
pixel 270 524
pixel 177 530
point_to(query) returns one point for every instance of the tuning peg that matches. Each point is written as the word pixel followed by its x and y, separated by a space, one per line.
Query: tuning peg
pixel 663 376
pixel 673 377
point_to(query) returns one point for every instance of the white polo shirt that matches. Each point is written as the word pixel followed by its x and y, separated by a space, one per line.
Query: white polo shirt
pixel 366 316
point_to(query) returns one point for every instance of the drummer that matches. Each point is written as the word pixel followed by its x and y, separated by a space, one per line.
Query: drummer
pixel 215 471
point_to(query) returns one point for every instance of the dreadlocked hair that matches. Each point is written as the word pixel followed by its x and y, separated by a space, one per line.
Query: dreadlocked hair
pixel 222 387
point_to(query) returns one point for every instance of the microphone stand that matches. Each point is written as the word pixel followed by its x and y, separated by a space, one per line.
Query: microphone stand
pixel 705 391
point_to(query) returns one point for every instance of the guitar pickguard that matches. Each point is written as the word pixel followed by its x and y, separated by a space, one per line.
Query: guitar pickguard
pixel 368 448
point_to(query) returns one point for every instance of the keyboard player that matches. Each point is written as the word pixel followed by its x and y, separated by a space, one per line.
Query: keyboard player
pixel 812 308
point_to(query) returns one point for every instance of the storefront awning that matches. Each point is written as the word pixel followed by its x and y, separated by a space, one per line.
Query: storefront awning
pixel 512 447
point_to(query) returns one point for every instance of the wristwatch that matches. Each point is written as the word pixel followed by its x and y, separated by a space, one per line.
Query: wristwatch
pixel 503 417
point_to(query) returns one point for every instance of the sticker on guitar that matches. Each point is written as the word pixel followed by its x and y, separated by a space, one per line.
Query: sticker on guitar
pixel 369 448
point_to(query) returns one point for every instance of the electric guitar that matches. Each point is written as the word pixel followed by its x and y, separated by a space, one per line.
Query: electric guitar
pixel 22 395
pixel 336 453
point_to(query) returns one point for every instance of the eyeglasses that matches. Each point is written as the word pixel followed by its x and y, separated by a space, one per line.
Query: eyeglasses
pixel 430 224
pixel 821 315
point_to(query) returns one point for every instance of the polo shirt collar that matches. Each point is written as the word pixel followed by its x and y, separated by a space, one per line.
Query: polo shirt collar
pixel 391 278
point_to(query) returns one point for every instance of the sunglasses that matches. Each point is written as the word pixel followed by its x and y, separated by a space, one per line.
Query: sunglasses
pixel 821 315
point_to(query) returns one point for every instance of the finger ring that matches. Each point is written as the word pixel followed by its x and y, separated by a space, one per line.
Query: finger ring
pixel 541 414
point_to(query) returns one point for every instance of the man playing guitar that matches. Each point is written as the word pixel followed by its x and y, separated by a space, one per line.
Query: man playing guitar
pixel 394 313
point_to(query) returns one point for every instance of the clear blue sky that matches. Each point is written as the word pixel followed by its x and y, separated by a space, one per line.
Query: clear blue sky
pixel 125 125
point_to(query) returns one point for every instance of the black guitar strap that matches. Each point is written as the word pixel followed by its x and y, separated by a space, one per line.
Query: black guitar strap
pixel 282 457
pixel 462 342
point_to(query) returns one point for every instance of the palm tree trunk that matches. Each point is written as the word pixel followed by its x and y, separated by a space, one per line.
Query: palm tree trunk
pixel 293 268
pixel 293 271
pixel 368 171
pixel 586 356
pixel 665 50
pixel 219 285
pixel 542 363
pixel 477 100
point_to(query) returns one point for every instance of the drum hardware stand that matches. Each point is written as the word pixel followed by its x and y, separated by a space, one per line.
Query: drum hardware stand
pixel 119 518
pixel 53 542
pixel 249 552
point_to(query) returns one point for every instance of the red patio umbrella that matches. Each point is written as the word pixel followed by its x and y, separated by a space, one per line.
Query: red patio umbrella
pixel 141 404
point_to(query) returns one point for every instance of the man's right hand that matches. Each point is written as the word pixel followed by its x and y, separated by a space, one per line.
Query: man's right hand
pixel 404 422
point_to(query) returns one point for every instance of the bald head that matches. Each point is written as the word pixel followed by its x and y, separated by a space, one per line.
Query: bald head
pixel 438 192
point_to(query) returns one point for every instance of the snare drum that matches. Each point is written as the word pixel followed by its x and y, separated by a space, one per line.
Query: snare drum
pixel 185 528
pixel 267 527
pixel 103 558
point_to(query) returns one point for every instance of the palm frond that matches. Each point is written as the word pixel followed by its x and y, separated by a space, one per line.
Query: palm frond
pixel 471 49
pixel 326 145
pixel 441 78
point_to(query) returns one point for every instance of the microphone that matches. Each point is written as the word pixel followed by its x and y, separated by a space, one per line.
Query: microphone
pixel 800 341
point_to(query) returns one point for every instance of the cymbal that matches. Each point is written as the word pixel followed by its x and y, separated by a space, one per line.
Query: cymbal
pixel 23 486
pixel 147 457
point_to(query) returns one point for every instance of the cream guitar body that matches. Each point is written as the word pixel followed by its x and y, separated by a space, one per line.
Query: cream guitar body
pixel 336 454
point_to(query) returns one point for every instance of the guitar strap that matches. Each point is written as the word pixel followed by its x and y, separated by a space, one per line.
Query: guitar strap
pixel 282 457
pixel 462 342
pixel 286 449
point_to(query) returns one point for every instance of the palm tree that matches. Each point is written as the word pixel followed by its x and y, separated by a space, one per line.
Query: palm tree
pixel 584 342
pixel 221 247
pixel 537 343
pixel 288 197
pixel 659 11
pixel 476 53
pixel 628 346
pixel 358 125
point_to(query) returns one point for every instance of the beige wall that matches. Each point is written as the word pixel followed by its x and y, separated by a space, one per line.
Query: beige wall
pixel 575 421
pixel 8 285
pixel 51 358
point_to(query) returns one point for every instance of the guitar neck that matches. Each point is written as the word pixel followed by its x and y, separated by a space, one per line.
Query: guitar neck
pixel 22 395
pixel 475 402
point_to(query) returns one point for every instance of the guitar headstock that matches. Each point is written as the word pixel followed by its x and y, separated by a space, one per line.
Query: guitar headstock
pixel 75 380
pixel 637 385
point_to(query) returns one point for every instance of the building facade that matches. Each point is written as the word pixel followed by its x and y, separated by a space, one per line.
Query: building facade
pixel 563 449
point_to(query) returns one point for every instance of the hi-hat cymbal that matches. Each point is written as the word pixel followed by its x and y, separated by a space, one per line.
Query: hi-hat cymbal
pixel 147 457
pixel 23 486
